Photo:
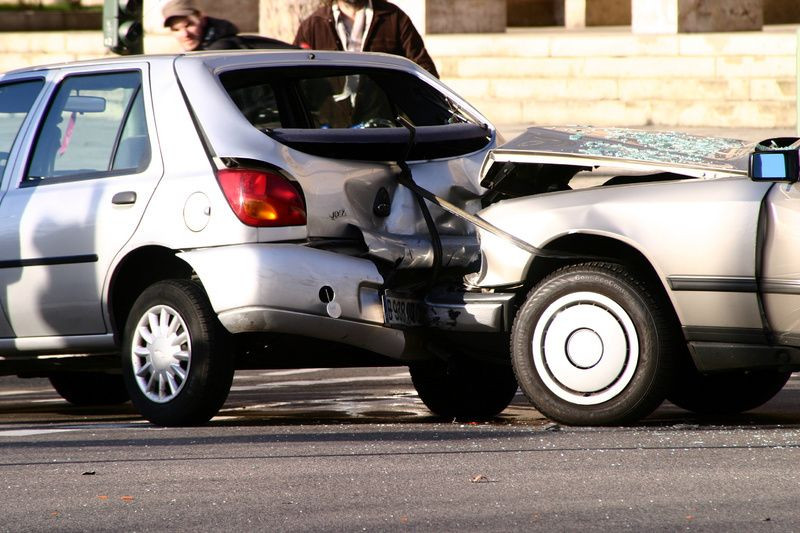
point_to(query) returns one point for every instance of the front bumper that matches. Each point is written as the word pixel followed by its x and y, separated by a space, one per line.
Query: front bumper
pixel 470 312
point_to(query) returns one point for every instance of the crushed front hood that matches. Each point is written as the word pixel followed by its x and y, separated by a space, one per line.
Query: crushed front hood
pixel 658 147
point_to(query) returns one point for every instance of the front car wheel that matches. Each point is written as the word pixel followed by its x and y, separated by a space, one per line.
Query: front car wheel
pixel 591 346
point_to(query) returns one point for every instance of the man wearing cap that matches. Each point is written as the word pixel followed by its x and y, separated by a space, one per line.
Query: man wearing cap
pixel 196 31
pixel 364 26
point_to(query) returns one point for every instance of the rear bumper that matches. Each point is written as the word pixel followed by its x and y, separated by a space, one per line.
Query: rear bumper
pixel 287 288
pixel 398 344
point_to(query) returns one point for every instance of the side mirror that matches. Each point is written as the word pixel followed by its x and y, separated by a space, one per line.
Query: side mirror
pixel 774 165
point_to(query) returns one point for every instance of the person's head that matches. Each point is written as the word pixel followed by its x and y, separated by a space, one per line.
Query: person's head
pixel 186 22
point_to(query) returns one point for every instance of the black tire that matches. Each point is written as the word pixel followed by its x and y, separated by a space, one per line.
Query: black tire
pixel 725 394
pixel 90 388
pixel 176 380
pixel 603 346
pixel 464 389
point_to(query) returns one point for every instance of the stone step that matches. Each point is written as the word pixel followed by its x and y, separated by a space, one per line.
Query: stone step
pixel 708 67
pixel 723 114
pixel 627 89
pixel 613 42
pixel 611 77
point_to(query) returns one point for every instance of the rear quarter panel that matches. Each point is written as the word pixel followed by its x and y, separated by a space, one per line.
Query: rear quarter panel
pixel 188 173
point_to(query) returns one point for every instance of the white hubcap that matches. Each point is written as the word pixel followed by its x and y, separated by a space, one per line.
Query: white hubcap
pixel 161 353
pixel 585 348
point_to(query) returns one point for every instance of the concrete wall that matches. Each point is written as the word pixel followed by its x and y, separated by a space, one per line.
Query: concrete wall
pixel 737 79
pixel 522 13
pixel 781 11
pixel 696 16
pixel 22 49
pixel 280 18
pixel 50 20
pixel 582 13
pixel 465 16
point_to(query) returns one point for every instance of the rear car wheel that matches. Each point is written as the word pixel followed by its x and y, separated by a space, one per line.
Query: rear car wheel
pixel 175 358
pixel 728 393
pixel 591 346
pixel 90 388
pixel 464 389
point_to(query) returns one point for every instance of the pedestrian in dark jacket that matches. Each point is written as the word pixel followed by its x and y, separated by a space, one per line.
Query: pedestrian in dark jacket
pixel 364 26
pixel 196 31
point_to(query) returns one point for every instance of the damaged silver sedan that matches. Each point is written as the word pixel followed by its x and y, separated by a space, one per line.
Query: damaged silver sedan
pixel 643 266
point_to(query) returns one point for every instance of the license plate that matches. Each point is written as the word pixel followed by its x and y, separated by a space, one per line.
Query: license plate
pixel 403 311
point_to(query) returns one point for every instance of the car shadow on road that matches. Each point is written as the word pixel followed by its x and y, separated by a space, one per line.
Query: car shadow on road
pixel 783 410
pixel 400 408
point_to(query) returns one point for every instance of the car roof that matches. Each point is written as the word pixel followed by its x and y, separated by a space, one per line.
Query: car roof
pixel 222 58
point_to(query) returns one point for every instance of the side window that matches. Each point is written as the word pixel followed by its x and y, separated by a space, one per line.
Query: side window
pixel 16 100
pixel 95 127
pixel 133 149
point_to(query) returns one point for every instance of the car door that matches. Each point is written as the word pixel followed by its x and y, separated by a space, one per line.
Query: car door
pixel 17 99
pixel 75 201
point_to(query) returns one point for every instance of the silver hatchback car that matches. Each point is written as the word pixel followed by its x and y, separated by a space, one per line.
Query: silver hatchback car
pixel 165 220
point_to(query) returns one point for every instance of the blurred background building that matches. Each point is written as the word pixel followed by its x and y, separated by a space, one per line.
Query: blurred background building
pixel 671 63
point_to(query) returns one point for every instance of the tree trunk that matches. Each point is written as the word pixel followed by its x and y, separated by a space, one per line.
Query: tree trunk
pixel 281 18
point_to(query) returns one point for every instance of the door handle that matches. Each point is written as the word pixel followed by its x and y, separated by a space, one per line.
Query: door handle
pixel 124 198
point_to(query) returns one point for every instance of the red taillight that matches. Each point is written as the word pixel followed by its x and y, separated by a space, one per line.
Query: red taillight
pixel 262 198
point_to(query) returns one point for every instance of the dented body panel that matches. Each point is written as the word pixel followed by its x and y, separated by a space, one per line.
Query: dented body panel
pixel 341 194
pixel 780 281
pixel 670 224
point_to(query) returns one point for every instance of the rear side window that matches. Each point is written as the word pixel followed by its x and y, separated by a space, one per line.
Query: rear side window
pixel 16 100
pixel 95 127
pixel 335 98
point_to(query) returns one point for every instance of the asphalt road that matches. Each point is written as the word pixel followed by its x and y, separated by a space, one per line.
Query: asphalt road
pixel 353 450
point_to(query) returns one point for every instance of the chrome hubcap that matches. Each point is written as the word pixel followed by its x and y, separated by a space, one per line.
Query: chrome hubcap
pixel 585 348
pixel 161 353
